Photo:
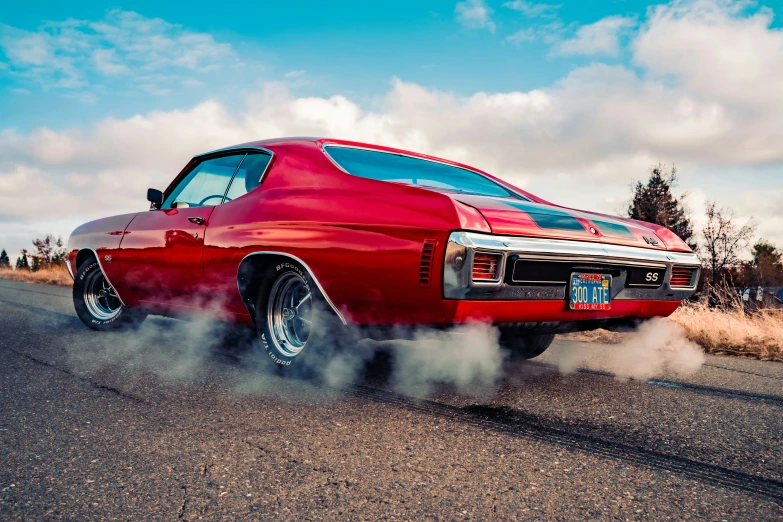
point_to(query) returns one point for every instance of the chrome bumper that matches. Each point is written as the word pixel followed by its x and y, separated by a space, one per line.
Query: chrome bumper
pixel 458 282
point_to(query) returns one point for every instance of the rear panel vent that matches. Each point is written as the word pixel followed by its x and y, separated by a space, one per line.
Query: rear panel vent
pixel 427 258
pixel 682 277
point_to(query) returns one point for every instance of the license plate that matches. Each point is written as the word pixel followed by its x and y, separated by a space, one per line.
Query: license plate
pixel 591 291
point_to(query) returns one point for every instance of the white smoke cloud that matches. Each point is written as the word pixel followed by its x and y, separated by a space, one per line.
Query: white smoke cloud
pixel 659 348
pixel 467 357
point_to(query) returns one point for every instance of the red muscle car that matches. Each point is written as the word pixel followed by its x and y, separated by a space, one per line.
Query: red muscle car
pixel 303 236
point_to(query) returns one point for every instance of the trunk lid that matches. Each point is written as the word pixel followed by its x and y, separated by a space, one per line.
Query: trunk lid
pixel 517 217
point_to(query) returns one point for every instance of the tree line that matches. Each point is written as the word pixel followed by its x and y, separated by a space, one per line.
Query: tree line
pixel 49 252
pixel 722 243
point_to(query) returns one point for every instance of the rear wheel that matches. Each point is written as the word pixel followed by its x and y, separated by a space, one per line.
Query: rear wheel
pixel 296 325
pixel 96 301
pixel 524 345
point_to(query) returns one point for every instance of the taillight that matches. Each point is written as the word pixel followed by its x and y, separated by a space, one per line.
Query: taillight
pixel 486 266
pixel 682 276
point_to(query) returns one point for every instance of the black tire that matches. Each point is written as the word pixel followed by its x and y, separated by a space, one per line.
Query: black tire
pixel 296 347
pixel 524 346
pixel 96 303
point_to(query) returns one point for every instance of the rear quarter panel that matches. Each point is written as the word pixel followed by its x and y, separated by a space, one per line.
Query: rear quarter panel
pixel 361 238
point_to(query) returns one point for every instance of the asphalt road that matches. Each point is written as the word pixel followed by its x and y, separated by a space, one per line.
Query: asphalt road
pixel 113 426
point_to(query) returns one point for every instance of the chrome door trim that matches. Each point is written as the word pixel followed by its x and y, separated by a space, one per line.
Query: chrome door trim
pixel 68 267
pixel 306 267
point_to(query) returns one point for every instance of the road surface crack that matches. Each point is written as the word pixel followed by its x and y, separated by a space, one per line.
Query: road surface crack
pixel 96 385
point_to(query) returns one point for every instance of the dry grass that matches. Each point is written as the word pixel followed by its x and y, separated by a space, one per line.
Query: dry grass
pixel 57 275
pixel 732 331
pixel 599 336
pixel 721 330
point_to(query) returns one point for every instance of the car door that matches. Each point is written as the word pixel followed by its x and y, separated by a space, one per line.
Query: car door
pixel 239 221
pixel 161 254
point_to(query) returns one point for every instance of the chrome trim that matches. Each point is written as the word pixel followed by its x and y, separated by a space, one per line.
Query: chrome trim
pixel 441 162
pixel 97 258
pixel 458 283
pixel 69 269
pixel 564 250
pixel 309 271
pixel 236 147
pixel 239 148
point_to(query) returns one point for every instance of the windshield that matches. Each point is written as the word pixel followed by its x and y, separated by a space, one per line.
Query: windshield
pixel 386 166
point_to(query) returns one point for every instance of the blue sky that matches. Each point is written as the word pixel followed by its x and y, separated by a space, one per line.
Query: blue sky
pixel 571 100
pixel 353 48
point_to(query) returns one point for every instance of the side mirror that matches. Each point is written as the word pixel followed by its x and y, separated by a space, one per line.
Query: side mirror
pixel 155 197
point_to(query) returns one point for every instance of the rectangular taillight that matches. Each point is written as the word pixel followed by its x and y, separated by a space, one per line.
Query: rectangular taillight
pixel 486 267
pixel 682 277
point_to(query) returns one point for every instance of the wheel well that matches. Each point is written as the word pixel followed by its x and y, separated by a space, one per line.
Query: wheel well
pixel 83 255
pixel 253 270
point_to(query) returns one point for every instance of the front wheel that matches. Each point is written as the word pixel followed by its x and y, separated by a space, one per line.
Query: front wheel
pixel 524 345
pixel 97 303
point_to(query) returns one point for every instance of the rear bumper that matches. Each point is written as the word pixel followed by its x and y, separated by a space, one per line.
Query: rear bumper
pixel 458 282
pixel 551 311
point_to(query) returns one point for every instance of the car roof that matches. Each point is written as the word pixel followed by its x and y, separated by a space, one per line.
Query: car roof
pixel 273 143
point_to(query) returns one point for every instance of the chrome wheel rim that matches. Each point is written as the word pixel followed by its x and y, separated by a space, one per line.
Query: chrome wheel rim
pixel 289 314
pixel 100 297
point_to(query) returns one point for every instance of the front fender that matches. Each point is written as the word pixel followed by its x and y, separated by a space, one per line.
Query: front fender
pixel 103 238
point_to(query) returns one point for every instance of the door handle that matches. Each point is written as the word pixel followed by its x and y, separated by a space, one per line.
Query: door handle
pixel 197 220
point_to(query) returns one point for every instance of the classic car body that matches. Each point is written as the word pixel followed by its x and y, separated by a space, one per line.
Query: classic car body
pixel 382 251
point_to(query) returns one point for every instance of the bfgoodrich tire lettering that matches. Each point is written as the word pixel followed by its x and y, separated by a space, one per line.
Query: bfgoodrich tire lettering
pixel 97 303
pixel 296 326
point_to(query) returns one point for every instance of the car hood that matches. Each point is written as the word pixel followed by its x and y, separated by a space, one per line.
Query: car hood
pixel 517 217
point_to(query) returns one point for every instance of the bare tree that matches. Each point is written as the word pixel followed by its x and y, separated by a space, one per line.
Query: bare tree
pixel 48 251
pixel 724 240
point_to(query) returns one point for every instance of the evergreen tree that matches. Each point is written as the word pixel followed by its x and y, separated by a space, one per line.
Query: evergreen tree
pixel 766 268
pixel 654 202
pixel 21 261
pixel 4 261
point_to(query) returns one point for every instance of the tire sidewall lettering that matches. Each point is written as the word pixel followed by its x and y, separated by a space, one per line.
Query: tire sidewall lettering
pixel 269 347
pixel 291 266
pixel 81 277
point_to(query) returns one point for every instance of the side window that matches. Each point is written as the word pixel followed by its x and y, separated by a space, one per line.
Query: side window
pixel 248 174
pixel 206 184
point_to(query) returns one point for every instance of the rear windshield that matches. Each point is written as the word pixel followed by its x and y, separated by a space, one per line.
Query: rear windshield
pixel 386 166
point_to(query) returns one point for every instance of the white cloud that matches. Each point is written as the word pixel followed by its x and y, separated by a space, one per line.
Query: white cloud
pixel 474 14
pixel 524 35
pixel 579 142
pixel 732 58
pixel 76 53
pixel 599 38
pixel 532 9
